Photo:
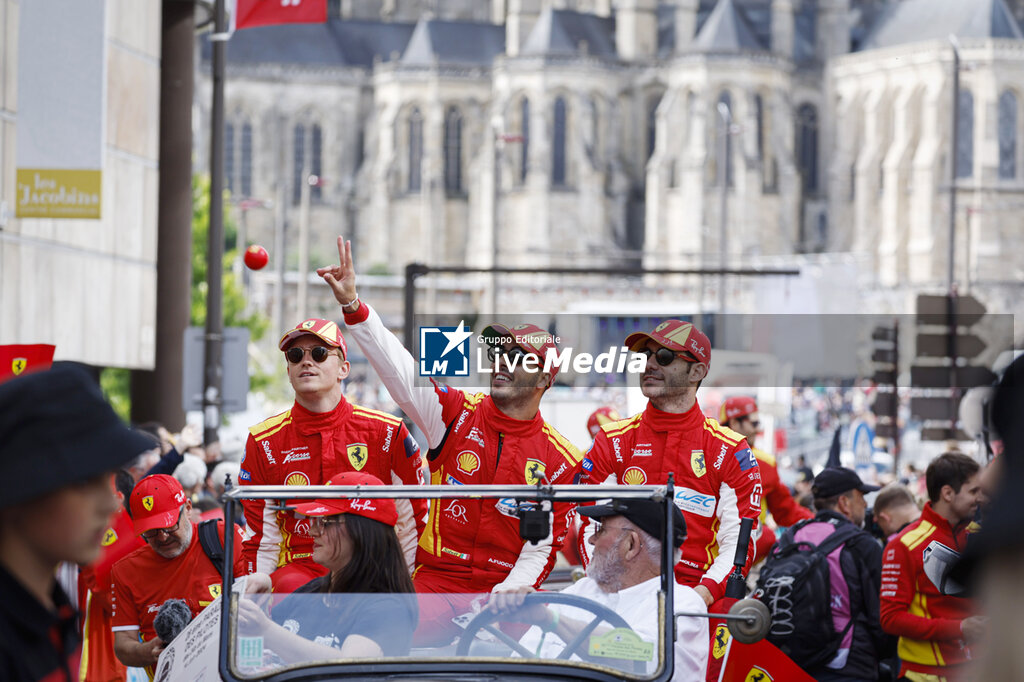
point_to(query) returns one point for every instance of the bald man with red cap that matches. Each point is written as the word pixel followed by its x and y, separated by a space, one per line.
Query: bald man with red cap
pixel 740 414
pixel 320 436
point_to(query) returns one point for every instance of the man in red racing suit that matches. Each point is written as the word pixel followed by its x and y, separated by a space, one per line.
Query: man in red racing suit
pixel 320 436
pixel 716 475
pixel 739 413
pixel 471 545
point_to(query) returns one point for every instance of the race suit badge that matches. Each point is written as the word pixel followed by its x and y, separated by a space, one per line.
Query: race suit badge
pixel 697 462
pixel 357 455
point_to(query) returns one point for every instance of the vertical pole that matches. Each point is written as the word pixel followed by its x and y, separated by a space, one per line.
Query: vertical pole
pixel 304 199
pixel 156 394
pixel 279 226
pixel 215 258
pixel 498 145
pixel 895 411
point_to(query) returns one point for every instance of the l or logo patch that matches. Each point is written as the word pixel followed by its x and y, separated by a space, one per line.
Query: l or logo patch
pixel 534 472
pixel 697 462
pixel 357 455
pixel 18 365
pixel 147 502
pixel 721 641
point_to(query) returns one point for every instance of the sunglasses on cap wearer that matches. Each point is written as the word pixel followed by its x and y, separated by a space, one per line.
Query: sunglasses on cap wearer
pixel 664 356
pixel 513 353
pixel 322 523
pixel 295 354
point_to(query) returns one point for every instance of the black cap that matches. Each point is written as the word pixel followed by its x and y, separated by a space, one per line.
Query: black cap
pixel 838 480
pixel 56 429
pixel 647 515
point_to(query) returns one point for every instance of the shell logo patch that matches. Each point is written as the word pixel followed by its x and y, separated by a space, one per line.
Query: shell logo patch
pixel 721 641
pixel 758 674
pixel 634 476
pixel 109 538
pixel 357 455
pixel 297 478
pixel 18 365
pixel 215 590
pixel 697 462
pixel 534 472
pixel 468 462
pixel 147 502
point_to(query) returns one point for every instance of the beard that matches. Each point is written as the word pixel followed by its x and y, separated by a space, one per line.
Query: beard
pixel 606 569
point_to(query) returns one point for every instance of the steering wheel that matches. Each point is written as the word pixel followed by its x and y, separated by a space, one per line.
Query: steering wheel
pixel 486 619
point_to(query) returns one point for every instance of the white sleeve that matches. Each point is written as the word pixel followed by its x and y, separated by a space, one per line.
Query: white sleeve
pixel 692 636
pixel 529 566
pixel 268 555
pixel 408 537
pixel 397 369
pixel 728 535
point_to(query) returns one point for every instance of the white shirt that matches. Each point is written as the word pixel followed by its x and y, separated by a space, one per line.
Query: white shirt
pixel 638 606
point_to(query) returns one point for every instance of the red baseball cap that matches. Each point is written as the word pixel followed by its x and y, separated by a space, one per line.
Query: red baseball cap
pixel 600 417
pixel 529 337
pixel 735 407
pixel 378 509
pixel 675 335
pixel 156 502
pixel 325 330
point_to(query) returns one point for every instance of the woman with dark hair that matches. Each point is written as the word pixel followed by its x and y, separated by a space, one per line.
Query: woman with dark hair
pixel 367 607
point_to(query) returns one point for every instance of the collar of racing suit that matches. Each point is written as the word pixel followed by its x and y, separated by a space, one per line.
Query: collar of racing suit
pixel 309 423
pixel 673 421
pixel 502 423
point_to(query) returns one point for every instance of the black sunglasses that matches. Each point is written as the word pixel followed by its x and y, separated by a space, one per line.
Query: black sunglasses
pixel 664 356
pixel 318 353
pixel 513 353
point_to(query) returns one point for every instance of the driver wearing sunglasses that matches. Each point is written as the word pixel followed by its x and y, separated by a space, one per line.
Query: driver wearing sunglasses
pixel 716 475
pixel 740 413
pixel 322 435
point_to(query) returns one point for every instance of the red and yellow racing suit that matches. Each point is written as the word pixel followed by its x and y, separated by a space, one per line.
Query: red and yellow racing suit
pixel 470 545
pixel 777 501
pixel 716 477
pixel 919 603
pixel 299 447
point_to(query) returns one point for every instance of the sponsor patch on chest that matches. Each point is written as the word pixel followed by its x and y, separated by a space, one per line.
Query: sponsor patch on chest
pixel 698 503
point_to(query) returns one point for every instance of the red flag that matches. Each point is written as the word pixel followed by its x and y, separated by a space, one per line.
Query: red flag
pixel 760 662
pixel 251 13
pixel 18 360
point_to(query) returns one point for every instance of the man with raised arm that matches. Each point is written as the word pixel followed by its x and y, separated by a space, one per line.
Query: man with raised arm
pixel 471 545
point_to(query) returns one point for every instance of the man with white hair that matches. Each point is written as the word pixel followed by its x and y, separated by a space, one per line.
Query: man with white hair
pixel 624 574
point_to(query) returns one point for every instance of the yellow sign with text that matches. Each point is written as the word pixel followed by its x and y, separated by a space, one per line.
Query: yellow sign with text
pixel 58 193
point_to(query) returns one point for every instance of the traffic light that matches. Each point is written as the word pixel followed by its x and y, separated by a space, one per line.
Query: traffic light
pixel 885 365
pixel 941 371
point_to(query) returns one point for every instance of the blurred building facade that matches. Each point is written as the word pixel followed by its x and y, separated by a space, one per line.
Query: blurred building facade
pixel 670 134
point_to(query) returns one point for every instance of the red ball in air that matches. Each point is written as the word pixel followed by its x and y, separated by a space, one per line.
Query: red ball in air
pixel 256 257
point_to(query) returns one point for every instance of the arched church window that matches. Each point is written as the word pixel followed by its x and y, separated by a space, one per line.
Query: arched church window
pixel 558 174
pixel 652 123
pixel 1007 135
pixel 965 135
pixel 723 128
pixel 453 151
pixel 307 144
pixel 415 151
pixel 238 158
pixel 807 147
pixel 524 145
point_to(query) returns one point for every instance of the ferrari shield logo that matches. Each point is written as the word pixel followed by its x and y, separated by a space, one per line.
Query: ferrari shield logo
pixel 18 365
pixel 721 641
pixel 147 502
pixel 357 453
pixel 758 674
pixel 215 590
pixel 109 538
pixel 534 472
pixel 697 462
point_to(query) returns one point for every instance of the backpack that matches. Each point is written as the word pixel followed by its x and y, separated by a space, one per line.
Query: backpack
pixel 796 586
pixel 209 538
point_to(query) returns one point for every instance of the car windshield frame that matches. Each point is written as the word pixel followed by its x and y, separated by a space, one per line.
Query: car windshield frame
pixel 451 667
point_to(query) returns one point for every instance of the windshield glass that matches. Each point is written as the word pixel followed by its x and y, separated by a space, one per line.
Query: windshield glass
pixel 277 632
